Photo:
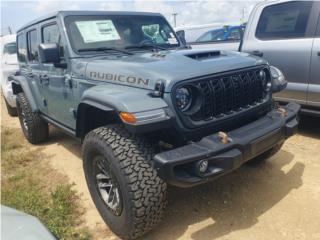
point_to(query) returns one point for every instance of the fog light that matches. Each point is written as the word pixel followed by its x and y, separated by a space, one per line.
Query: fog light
pixel 203 166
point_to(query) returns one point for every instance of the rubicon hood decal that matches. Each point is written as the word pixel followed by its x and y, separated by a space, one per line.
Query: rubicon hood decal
pixel 119 78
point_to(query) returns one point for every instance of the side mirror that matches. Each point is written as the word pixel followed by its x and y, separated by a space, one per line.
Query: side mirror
pixel 279 81
pixel 182 36
pixel 49 53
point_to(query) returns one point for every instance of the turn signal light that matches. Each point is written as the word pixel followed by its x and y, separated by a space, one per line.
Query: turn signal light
pixel 128 117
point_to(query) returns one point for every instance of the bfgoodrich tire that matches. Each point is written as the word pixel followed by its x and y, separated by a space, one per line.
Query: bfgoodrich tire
pixel 126 190
pixel 11 111
pixel 34 128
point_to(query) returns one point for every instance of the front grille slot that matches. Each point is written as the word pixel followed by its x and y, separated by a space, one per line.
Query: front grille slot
pixel 229 93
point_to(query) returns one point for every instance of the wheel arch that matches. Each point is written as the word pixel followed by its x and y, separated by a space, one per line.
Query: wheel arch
pixel 20 84
pixel 92 114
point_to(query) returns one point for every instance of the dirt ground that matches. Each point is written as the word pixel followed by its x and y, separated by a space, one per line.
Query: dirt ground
pixel 277 200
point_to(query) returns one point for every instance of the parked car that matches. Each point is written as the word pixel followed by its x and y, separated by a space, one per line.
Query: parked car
pixel 9 65
pixel 287 35
pixel 227 33
pixel 16 225
pixel 193 32
pixel 148 110
pixel 225 38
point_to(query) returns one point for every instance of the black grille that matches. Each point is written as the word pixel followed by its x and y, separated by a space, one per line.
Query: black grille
pixel 229 93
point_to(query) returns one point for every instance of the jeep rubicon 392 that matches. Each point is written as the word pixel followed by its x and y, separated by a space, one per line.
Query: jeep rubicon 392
pixel 148 110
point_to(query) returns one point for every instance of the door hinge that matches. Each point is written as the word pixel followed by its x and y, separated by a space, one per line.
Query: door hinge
pixel 73 112
pixel 68 81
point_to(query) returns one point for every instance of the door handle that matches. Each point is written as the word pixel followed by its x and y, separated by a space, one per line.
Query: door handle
pixel 44 79
pixel 30 75
pixel 318 54
pixel 257 53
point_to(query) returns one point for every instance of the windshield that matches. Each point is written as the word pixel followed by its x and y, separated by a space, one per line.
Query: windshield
pixel 118 31
pixel 10 48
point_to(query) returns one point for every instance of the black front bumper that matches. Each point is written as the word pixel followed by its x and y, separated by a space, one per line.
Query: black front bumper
pixel 179 166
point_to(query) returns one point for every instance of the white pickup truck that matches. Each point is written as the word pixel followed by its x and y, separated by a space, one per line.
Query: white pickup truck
pixel 287 35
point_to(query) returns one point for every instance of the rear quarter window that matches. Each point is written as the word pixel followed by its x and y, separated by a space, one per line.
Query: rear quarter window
pixel 284 21
pixel 33 46
pixel 22 47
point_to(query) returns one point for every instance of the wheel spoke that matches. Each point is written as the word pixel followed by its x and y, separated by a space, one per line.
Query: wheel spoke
pixel 108 186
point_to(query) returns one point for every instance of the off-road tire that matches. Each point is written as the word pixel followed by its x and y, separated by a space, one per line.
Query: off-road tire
pixel 11 110
pixel 262 158
pixel 143 193
pixel 34 128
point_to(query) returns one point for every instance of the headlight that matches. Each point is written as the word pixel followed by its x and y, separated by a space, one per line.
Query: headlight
pixel 278 80
pixel 183 98
pixel 265 79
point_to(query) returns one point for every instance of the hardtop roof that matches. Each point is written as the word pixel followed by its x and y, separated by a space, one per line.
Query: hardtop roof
pixel 85 13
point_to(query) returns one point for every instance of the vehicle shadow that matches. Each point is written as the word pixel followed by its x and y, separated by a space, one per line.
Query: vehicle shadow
pixel 309 126
pixel 230 203
pixel 56 136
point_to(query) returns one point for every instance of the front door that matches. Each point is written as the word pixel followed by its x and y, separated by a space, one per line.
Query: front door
pixel 56 82
pixel 314 84
pixel 284 36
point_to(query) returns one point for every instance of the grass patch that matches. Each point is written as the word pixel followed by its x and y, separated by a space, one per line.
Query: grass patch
pixel 27 185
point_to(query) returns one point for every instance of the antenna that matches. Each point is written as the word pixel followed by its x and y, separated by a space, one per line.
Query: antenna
pixel 175 19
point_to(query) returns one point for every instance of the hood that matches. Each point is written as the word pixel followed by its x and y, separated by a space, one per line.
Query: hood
pixel 144 70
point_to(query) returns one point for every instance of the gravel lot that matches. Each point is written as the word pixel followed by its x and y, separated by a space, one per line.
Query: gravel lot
pixel 277 200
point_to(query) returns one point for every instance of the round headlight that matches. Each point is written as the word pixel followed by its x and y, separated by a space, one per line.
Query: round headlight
pixel 265 80
pixel 183 98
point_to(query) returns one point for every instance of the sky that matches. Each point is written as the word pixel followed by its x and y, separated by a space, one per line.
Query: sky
pixel 16 13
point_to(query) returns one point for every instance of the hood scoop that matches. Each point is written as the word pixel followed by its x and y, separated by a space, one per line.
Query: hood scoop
pixel 200 56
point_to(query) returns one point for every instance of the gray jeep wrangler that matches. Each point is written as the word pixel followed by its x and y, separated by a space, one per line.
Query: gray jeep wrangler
pixel 148 110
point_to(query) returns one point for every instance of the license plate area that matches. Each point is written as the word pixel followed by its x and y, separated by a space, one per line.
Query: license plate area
pixel 266 142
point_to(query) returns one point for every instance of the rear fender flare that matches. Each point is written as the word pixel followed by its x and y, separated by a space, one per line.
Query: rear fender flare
pixel 20 84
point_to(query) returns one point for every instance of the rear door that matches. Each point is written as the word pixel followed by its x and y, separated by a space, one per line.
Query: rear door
pixel 283 35
pixel 314 85
pixel 32 69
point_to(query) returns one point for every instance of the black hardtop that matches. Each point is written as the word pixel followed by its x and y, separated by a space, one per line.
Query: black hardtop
pixel 85 13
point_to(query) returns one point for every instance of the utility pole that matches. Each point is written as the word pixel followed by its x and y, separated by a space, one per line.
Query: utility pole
pixel 9 28
pixel 243 15
pixel 175 19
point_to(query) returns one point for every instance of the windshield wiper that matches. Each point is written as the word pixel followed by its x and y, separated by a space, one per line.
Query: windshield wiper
pixel 104 49
pixel 146 46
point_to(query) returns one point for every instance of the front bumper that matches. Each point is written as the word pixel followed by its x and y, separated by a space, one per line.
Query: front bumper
pixel 178 166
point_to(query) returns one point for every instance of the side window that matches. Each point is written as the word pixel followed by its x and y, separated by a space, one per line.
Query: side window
pixel 283 21
pixel 234 34
pixel 206 37
pixel 51 34
pixel 218 35
pixel 10 48
pixel 32 46
pixel 318 31
pixel 22 47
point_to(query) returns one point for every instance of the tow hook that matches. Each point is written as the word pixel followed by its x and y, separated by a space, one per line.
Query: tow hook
pixel 224 138
pixel 282 112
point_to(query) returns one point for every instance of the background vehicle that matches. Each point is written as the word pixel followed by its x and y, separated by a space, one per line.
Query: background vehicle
pixel 148 110
pixel 192 33
pixel 287 35
pixel 17 225
pixel 226 38
pixel 9 65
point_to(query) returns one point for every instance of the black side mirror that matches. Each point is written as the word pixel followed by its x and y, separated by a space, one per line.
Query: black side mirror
pixel 49 53
pixel 182 36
